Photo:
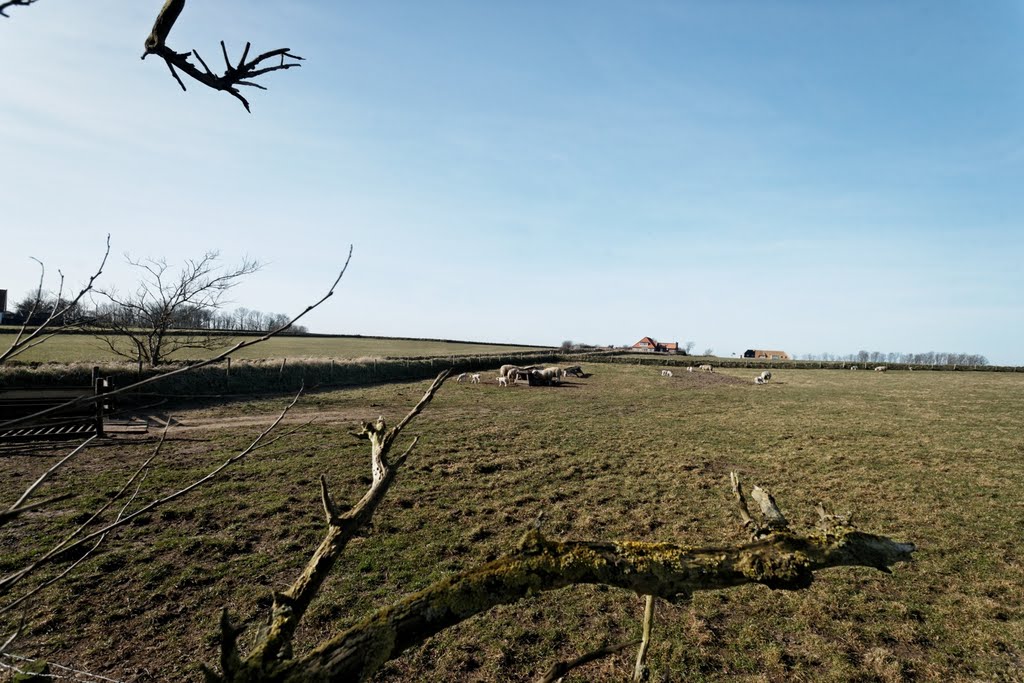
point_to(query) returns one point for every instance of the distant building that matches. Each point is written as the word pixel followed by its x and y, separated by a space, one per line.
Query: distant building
pixel 649 345
pixel 769 355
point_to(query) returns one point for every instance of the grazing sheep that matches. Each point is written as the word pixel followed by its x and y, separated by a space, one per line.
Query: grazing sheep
pixel 880 368
pixel 666 373
pixel 502 381
pixel 474 378
pixel 552 375
pixel 760 380
pixel 460 378
pixel 574 370
pixel 706 368
pixel 853 367
pixel 689 368
pixel 764 377
pixel 507 370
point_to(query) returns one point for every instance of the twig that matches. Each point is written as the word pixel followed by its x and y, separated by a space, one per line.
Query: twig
pixel 22 342
pixel 14 3
pixel 559 669
pixel 83 400
pixel 46 475
pixel 7 582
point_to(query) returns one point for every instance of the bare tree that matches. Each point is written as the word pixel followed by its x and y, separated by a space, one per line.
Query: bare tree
pixel 708 352
pixel 158 318
pixel 45 318
pixel 689 347
pixel 235 75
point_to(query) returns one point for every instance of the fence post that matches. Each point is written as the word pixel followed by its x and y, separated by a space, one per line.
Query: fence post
pixel 280 372
pixel 227 375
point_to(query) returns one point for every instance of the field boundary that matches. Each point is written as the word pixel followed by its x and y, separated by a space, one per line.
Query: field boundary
pixel 246 377
pixel 683 361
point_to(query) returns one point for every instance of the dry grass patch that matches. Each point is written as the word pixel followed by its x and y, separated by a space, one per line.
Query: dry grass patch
pixel 932 458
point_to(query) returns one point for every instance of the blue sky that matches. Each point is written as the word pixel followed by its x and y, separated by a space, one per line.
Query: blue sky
pixel 810 176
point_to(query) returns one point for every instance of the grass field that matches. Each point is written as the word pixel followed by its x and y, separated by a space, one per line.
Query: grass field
pixel 936 459
pixel 73 348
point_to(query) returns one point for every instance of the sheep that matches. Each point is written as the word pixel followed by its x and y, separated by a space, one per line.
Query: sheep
pixel 854 367
pixel 706 368
pixel 460 378
pixel 910 368
pixel 502 381
pixel 880 368
pixel 574 370
pixel 764 377
pixel 689 368
pixel 666 373
pixel 474 378
pixel 506 370
pixel 760 380
pixel 552 375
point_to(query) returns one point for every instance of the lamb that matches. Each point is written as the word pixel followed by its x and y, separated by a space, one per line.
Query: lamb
pixel 853 367
pixel 666 373
pixel 507 370
pixel 764 377
pixel 460 378
pixel 706 368
pixel 760 380
pixel 502 381
pixel 689 368
pixel 474 378
pixel 880 368
pixel 574 370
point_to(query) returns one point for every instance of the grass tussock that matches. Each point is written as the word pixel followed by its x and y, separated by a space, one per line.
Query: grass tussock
pixel 932 458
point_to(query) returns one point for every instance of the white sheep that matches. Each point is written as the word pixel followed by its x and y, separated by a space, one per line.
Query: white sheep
pixel 460 378
pixel 502 381
pixel 689 368
pixel 706 368
pixel 474 378
pixel 760 380
pixel 764 377
pixel 666 373
pixel 853 367
pixel 507 370
pixel 880 368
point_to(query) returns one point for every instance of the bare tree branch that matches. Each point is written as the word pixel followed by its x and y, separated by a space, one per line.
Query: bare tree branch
pixel 46 475
pixel 640 671
pixel 84 400
pixel 23 342
pixel 234 74
pixel 8 515
pixel 14 3
pixel 9 581
pixel 560 669
pixel 289 606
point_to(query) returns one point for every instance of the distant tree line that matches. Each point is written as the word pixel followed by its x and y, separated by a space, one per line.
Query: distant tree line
pixel 106 313
pixel 926 358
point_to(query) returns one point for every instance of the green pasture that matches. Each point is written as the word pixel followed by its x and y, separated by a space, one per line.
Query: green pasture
pixel 73 348
pixel 932 458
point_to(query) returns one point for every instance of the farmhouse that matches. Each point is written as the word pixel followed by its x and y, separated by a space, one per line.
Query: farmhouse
pixel 649 345
pixel 761 353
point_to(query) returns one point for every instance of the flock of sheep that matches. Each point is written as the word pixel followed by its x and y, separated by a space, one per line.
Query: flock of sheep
pixel 538 376
pixel 534 374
